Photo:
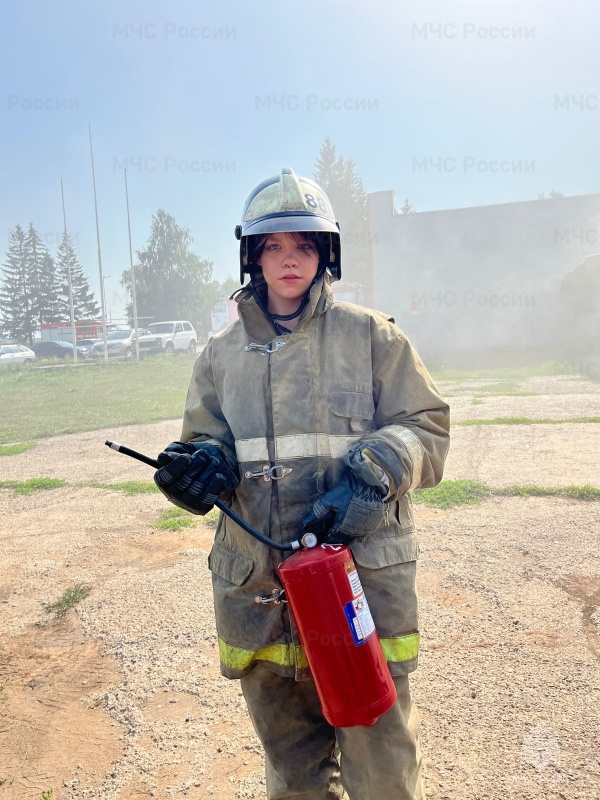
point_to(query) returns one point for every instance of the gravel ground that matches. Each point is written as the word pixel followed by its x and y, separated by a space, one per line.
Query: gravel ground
pixel 548 455
pixel 554 407
pixel 123 698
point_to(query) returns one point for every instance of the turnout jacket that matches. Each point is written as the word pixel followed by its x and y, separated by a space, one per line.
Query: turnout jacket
pixel 287 408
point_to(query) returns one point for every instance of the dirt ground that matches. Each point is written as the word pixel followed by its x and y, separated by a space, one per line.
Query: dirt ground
pixel 123 698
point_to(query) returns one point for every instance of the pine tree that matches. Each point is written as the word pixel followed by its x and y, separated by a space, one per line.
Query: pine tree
pixel 407 207
pixel 50 299
pixel 15 295
pixel 328 166
pixel 40 276
pixel 348 196
pixel 84 303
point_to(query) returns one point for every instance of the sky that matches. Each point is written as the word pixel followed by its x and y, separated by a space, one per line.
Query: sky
pixel 449 104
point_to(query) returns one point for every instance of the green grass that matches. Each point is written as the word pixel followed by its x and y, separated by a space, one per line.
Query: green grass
pixel 15 449
pixel 212 518
pixel 174 519
pixel 585 492
pixel 32 485
pixel 46 402
pixel 68 601
pixel 526 421
pixel 128 487
pixel 505 381
pixel 449 494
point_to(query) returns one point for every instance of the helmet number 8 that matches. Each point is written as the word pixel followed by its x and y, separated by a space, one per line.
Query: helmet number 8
pixel 318 203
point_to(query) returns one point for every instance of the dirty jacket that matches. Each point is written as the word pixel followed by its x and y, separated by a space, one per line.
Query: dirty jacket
pixel 346 376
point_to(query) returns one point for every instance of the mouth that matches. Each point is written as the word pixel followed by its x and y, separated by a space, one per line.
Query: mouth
pixel 291 278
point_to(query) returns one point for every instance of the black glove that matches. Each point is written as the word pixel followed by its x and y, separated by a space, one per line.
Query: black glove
pixel 193 475
pixel 354 507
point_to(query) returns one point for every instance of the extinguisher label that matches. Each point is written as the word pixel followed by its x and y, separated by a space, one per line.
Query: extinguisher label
pixel 359 619
pixel 355 583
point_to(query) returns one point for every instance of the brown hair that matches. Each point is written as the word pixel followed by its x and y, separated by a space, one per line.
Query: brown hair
pixel 320 241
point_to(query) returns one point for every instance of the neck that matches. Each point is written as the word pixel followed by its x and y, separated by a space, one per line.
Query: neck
pixel 290 324
pixel 279 305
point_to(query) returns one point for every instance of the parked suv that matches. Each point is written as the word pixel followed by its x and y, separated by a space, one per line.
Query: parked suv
pixel 168 337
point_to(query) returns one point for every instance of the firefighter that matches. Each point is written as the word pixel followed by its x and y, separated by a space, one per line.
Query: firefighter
pixel 310 411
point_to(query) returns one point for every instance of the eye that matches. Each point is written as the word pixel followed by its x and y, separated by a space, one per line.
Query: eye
pixel 306 247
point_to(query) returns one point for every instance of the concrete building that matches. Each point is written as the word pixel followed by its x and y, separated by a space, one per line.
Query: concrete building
pixel 482 278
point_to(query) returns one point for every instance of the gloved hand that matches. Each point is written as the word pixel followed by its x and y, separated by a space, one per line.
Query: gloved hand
pixel 355 508
pixel 193 475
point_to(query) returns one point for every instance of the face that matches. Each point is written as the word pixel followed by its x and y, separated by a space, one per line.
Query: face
pixel 289 264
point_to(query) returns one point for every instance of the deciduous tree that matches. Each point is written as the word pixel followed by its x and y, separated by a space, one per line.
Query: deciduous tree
pixel 172 282
pixel 552 194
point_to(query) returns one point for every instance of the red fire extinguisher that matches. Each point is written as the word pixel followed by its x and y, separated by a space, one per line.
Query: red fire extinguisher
pixel 330 609
pixel 338 634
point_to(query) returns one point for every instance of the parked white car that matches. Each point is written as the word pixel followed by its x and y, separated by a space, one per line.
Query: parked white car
pixel 16 354
pixel 169 337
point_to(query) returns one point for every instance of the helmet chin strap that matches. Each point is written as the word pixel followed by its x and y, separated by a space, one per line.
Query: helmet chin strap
pixel 284 317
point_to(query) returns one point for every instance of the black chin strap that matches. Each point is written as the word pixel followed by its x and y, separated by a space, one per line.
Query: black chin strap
pixel 280 329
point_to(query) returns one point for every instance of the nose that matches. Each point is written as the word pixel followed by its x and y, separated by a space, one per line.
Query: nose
pixel 289 257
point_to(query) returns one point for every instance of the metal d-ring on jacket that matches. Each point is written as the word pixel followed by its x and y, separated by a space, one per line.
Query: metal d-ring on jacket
pixel 288 408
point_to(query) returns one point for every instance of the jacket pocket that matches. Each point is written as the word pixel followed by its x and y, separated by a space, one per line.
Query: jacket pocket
pixel 383 549
pixel 232 567
pixel 403 512
pixel 387 567
pixel 357 407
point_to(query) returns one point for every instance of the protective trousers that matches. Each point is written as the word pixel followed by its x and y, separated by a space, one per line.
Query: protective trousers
pixel 301 747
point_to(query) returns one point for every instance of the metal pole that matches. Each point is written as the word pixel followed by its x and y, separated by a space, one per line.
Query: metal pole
pixel 67 249
pixel 133 296
pixel 102 300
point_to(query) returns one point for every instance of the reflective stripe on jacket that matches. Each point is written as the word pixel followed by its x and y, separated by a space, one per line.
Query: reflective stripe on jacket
pixel 399 649
pixel 346 376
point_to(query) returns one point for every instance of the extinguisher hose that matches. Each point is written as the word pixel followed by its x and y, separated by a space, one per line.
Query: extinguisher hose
pixel 121 448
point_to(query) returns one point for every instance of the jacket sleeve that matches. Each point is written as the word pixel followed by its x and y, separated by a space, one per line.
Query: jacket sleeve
pixel 203 419
pixel 412 420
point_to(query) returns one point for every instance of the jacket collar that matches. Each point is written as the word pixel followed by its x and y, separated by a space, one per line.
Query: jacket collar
pixel 260 329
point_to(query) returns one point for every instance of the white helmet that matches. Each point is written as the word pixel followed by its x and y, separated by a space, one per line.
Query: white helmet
pixel 288 203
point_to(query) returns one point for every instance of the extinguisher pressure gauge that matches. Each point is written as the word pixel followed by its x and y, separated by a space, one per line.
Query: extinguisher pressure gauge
pixel 309 540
